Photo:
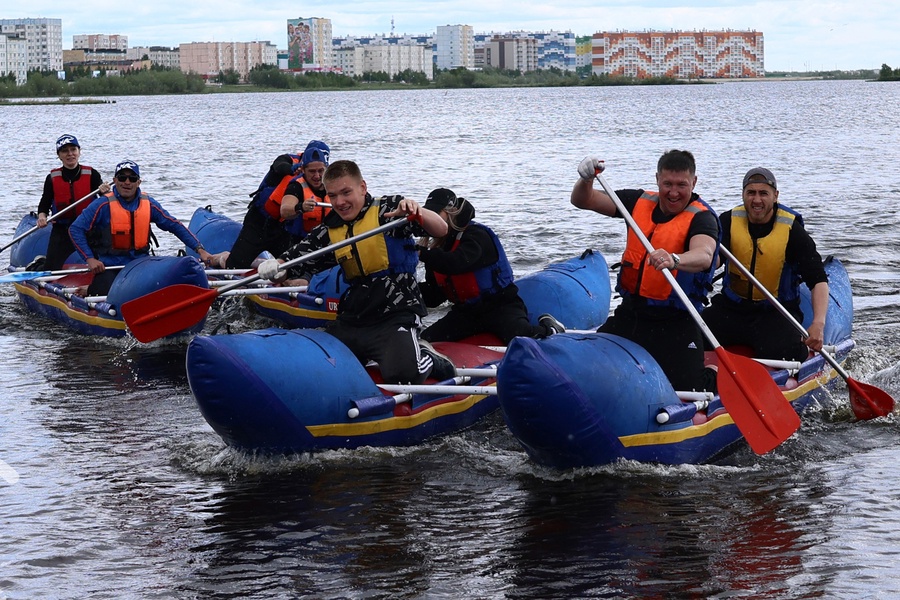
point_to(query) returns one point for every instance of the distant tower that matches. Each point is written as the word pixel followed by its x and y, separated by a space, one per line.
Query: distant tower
pixel 392 25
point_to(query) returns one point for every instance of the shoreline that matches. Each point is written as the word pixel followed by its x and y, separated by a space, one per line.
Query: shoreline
pixel 53 101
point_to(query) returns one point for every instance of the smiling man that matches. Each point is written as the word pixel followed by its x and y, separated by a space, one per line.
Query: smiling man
pixel 771 242
pixel 684 232
pixel 273 222
pixel 302 207
pixel 115 229
pixel 380 314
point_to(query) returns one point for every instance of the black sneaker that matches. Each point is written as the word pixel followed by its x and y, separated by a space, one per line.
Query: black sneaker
pixel 442 367
pixel 37 264
pixel 550 322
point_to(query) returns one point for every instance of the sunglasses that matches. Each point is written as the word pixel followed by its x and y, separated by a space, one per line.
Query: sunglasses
pixel 124 178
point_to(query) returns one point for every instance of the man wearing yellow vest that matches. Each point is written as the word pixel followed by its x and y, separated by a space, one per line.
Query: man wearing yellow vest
pixel 115 228
pixel 771 242
pixel 380 314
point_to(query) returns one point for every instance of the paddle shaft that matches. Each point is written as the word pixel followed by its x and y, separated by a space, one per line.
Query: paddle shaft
pixel 17 276
pixel 320 252
pixel 51 218
pixel 867 401
pixel 227 271
pixel 301 289
pixel 778 305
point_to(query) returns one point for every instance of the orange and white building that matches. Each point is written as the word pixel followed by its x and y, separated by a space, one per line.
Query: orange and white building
pixel 678 54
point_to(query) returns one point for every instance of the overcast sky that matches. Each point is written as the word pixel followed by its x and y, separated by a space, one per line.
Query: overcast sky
pixel 799 34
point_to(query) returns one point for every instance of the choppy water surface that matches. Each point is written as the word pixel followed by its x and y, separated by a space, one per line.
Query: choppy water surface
pixel 113 486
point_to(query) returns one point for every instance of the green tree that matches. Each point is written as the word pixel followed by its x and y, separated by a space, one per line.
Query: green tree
pixel 229 77
pixel 411 77
pixel 269 76
pixel 44 84
pixel 375 77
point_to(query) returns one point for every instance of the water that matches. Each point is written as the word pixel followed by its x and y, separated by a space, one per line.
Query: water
pixel 117 488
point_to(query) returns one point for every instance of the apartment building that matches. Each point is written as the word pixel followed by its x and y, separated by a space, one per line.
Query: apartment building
pixel 386 58
pixel 209 58
pixel 162 56
pixel 454 47
pixel 551 49
pixel 43 41
pixel 13 56
pixel 582 51
pixel 556 49
pixel 680 54
pixel 517 53
pixel 113 62
pixel 309 44
pixel 100 41
pixel 354 55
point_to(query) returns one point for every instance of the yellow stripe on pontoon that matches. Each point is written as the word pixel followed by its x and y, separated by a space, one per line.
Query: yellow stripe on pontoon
pixel 395 423
pixel 72 313
pixel 695 431
pixel 293 310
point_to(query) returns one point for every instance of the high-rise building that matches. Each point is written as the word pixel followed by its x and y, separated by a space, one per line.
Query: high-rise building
pixel 556 49
pixel 680 54
pixel 309 44
pixel 516 53
pixel 552 49
pixel 13 56
pixel 454 47
pixel 582 51
pixel 100 41
pixel 209 58
pixel 43 41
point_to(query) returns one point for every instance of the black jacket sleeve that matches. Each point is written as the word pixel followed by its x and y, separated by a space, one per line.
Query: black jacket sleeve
pixel 476 249
pixel 46 197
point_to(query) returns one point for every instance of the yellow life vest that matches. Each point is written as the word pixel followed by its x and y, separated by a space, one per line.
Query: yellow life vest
pixel 367 256
pixel 764 258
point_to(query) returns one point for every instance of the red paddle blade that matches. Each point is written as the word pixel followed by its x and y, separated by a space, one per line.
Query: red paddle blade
pixel 867 401
pixel 166 311
pixel 755 402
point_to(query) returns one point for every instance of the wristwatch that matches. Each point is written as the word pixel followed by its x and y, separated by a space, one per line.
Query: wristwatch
pixel 676 259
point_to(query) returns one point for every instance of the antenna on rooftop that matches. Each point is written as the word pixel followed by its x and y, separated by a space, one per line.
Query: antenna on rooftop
pixel 392 25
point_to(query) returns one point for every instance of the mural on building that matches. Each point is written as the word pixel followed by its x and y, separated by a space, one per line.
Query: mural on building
pixel 300 43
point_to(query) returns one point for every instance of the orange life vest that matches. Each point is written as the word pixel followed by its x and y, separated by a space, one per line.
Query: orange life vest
pixel 269 198
pixel 636 278
pixel 67 192
pixel 129 230
pixel 315 216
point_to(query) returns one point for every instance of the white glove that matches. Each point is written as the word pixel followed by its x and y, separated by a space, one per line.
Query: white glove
pixel 590 167
pixel 268 269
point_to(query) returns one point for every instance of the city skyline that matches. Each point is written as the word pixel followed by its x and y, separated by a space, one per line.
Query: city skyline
pixel 799 35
